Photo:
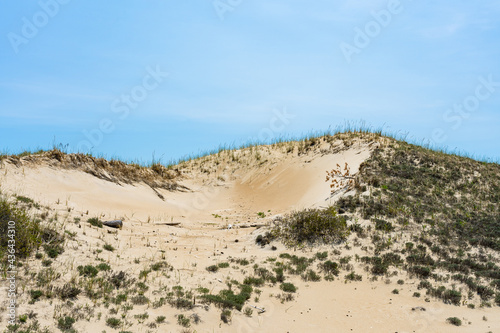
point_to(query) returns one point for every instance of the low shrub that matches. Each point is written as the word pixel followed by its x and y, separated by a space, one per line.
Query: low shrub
pixel 454 321
pixel 288 287
pixel 311 226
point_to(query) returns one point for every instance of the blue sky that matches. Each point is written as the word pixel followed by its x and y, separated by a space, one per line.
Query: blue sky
pixel 130 79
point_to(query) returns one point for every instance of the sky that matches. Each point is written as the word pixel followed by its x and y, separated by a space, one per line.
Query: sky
pixel 138 80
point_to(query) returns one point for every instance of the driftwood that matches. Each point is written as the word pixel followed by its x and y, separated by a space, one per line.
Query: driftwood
pixel 168 223
pixel 252 225
pixel 114 224
pixel 262 310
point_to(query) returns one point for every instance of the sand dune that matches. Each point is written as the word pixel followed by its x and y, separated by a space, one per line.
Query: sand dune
pixel 215 193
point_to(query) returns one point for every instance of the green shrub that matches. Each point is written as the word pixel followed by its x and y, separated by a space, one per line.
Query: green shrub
pixel 311 226
pixel 68 291
pixel 65 323
pixel 183 320
pixel 330 267
pixel 223 265
pixel 253 281
pixel 46 262
pixel 228 299
pixel 160 319
pixel 159 265
pixel 108 247
pixel 113 322
pixel 322 255
pixel 452 296
pixel 288 287
pixel 53 250
pixel 353 277
pixel 213 268
pixel 454 321
pixel 27 232
pixel 95 222
pixel 87 270
pixel 36 294
pixel 383 225
pixel 140 300
pixel 311 275
pixel 103 267
pixel 420 271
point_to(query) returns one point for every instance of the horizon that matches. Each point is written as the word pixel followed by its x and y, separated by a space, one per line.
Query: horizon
pixel 134 80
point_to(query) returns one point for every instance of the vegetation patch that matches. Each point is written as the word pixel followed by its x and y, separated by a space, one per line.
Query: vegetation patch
pixel 311 226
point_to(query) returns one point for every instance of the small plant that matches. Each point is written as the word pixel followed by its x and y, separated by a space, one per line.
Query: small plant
pixel 139 300
pixel 35 295
pixel 87 271
pixel 53 250
pixel 261 214
pixel 401 281
pixel 253 281
pixel 46 262
pixel 113 322
pixel 68 291
pixel 212 268
pixel 416 294
pixel 183 320
pixel 395 291
pixel 248 312
pixel 160 319
pixel 108 247
pixel 95 222
pixel 223 265
pixel 322 255
pixel 330 267
pixel 65 323
pixel 39 255
pixel 353 277
pixel 288 287
pixel 454 321
pixel 103 267
pixel 225 316
pixel 159 265
pixel 340 179
pixel 141 317
pixel 144 274
pixel 311 275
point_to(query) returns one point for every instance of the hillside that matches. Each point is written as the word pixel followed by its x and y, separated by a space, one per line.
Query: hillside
pixel 413 240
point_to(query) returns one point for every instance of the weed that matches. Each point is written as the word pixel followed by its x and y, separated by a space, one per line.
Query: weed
pixel 113 322
pixel 225 316
pixel 454 321
pixel 288 287
pixel 95 222
pixel 183 320
pixel 353 277
pixel 310 226
pixel 65 324
pixel 212 268
pixel 248 311
pixel 160 319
